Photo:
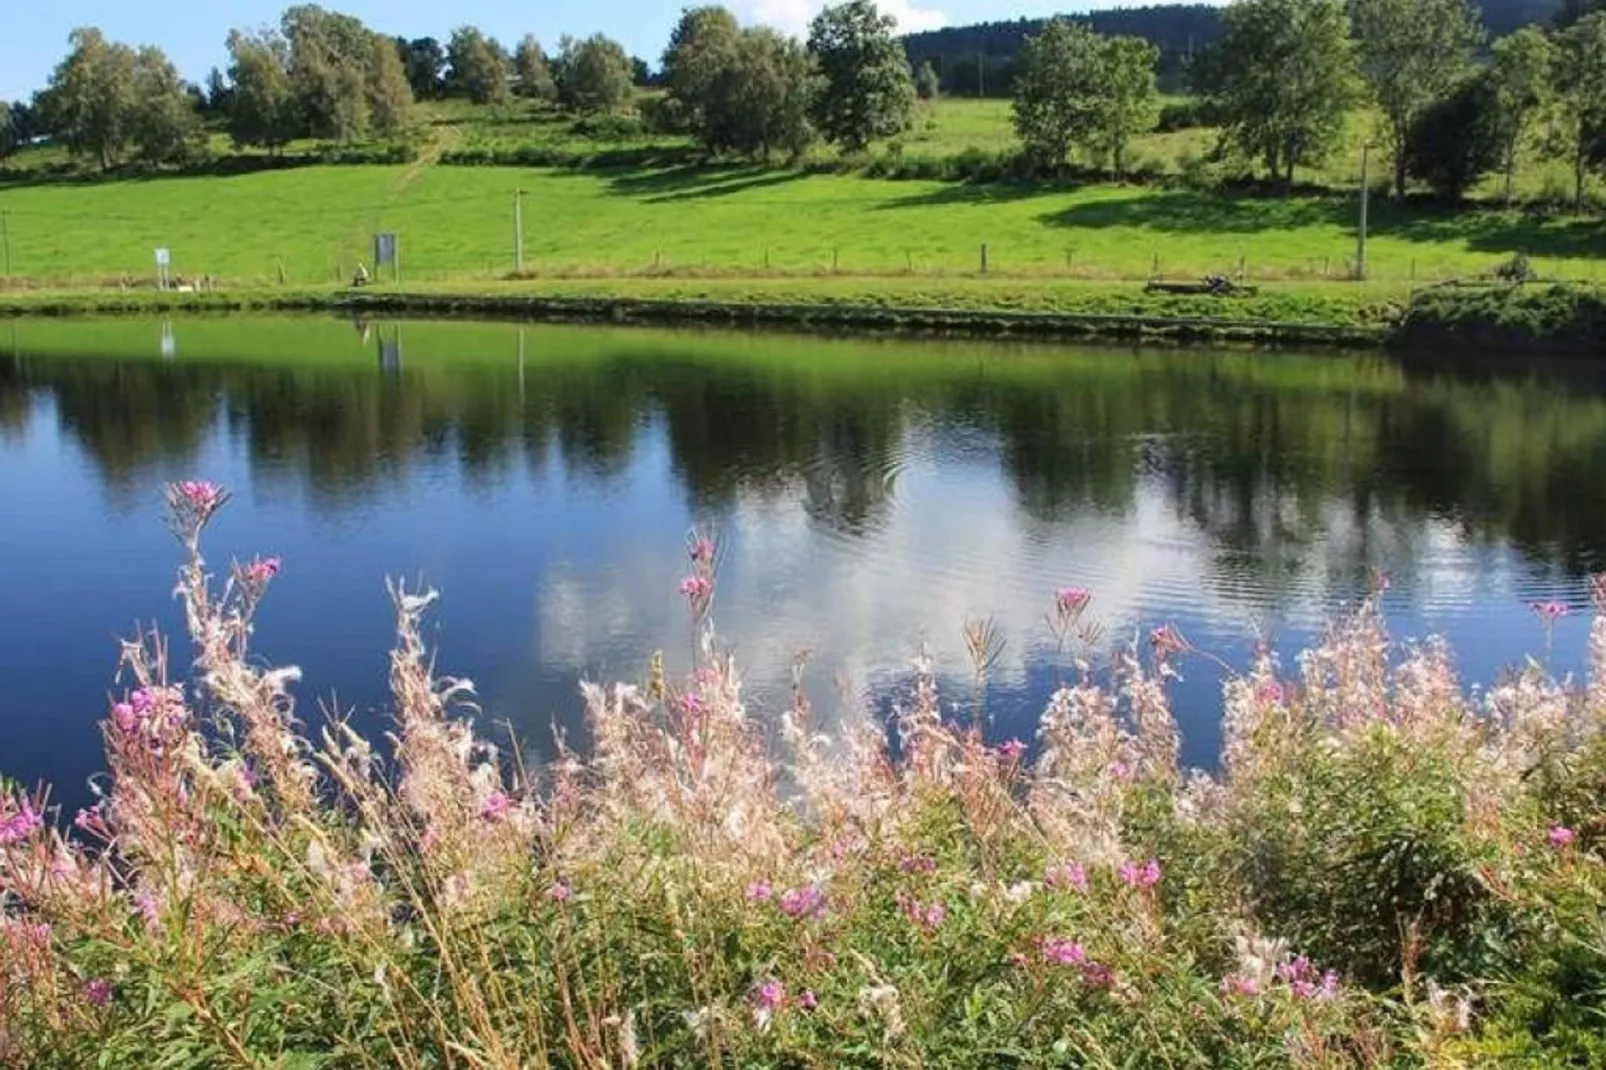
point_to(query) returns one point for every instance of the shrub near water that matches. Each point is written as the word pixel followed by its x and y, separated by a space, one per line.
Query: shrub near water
pixel 1386 871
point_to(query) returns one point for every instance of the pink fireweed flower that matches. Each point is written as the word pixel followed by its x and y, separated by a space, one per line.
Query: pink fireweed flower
pixel 1012 750
pixel 759 892
pixel 769 996
pixel 701 549
pixel 1064 953
pixel 261 570
pixel 145 906
pixel 202 495
pixel 1072 875
pixel 1122 772
pixel 1272 691
pixel 98 993
pixel 1550 612
pixel 1071 600
pixel 696 588
pixel 559 893
pixel 1561 837
pixel 19 821
pixel 1098 975
pixel 1136 876
pixel 807 999
pixel 805 902
pixel 918 864
pixel 496 807
pixel 925 916
pixel 693 705
pixel 1166 640
pixel 1240 986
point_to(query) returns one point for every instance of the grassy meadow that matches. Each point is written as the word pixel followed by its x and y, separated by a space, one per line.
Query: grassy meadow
pixel 816 231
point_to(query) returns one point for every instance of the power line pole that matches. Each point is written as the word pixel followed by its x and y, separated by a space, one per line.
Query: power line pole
pixel 1366 190
pixel 518 232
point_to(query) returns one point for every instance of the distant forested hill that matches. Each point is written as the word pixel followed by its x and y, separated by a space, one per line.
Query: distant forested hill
pixel 979 59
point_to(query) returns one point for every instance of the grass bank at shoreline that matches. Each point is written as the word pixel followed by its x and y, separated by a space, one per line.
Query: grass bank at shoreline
pixel 1534 319
pixel 1352 317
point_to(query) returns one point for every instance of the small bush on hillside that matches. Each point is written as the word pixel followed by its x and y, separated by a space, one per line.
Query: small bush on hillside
pixel 609 127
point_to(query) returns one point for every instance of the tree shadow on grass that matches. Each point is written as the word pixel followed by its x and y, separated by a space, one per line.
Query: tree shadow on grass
pixel 1496 231
pixel 963 193
pixel 698 182
pixel 1201 213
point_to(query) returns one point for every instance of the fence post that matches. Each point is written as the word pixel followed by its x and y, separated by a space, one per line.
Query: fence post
pixel 984 258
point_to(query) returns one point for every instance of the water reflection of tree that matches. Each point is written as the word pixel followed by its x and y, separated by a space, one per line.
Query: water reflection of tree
pixel 1256 453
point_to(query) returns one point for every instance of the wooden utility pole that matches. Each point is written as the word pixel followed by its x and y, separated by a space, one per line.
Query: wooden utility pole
pixel 518 232
pixel 1366 192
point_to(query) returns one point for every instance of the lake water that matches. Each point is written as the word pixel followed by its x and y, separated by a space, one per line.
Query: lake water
pixel 872 496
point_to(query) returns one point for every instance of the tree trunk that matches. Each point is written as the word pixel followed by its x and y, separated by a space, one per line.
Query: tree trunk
pixel 1399 175
pixel 1511 166
pixel 1579 170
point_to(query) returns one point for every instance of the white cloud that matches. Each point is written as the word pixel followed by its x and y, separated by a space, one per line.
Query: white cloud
pixel 792 16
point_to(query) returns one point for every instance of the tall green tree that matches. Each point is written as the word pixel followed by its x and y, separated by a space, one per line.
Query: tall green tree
pixel 1413 52
pixel 700 47
pixel 532 72
pixel 1580 71
pixel 866 91
pixel 478 67
pixel 759 98
pixel 89 103
pixel 1282 77
pixel 8 133
pixel 595 74
pixel 329 55
pixel 1520 79
pixel 1456 140
pixel 163 124
pixel 425 61
pixel 927 85
pixel 390 94
pixel 1057 84
pixel 265 111
pixel 1128 101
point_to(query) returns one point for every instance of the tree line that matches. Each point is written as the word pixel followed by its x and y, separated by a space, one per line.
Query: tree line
pixel 980 60
pixel 1286 73
pixel 317 75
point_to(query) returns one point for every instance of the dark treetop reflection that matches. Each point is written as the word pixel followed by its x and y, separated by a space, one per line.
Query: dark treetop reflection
pixel 873 496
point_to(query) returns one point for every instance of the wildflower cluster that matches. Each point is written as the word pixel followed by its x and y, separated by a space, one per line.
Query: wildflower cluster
pixel 1381 857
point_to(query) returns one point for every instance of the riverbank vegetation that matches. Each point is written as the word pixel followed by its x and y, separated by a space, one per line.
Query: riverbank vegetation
pixel 1385 869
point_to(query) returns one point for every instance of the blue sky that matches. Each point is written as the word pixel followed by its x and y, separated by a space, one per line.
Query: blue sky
pixel 34 35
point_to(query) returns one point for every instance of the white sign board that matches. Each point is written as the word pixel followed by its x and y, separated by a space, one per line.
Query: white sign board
pixel 163 258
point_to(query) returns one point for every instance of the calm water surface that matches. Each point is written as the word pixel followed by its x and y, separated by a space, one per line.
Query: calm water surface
pixel 873 497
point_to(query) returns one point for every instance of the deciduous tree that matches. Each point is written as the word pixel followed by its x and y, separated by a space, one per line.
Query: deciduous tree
pixel 532 72
pixel 866 91
pixel 760 97
pixel 594 74
pixel 1128 100
pixel 1580 71
pixel 927 85
pixel 1056 91
pixel 163 124
pixel 1456 140
pixel 478 67
pixel 425 61
pixel 264 110
pixel 89 103
pixel 1413 52
pixel 1282 78
pixel 700 48
pixel 390 95
pixel 1520 80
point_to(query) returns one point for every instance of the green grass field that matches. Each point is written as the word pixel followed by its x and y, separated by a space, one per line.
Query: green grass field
pixel 749 231
pixel 315 223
